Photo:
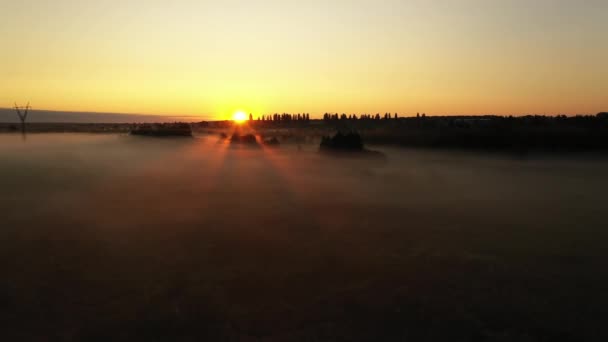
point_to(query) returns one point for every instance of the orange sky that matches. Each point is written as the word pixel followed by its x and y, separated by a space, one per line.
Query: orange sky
pixel 213 58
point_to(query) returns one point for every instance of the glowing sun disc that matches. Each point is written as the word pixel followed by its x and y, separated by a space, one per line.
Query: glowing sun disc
pixel 239 117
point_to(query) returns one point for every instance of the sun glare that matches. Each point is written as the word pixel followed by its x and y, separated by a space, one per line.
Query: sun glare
pixel 239 117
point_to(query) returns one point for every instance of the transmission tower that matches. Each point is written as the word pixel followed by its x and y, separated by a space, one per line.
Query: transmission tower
pixel 22 113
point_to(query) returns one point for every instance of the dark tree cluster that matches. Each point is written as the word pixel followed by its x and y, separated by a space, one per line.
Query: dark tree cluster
pixel 245 139
pixel 346 142
pixel 561 132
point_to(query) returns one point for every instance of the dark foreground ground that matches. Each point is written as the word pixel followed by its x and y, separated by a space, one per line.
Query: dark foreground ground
pixel 118 238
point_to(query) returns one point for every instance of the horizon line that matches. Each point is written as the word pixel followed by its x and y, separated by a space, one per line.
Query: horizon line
pixel 203 116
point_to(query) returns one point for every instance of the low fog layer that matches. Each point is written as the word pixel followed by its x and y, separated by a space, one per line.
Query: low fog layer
pixel 96 177
pixel 105 233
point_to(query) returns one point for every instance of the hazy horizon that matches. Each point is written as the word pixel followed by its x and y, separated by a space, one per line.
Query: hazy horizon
pixel 466 57
pixel 8 115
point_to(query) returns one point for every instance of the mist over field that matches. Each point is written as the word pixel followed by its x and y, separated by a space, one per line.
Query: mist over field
pixel 304 171
pixel 115 236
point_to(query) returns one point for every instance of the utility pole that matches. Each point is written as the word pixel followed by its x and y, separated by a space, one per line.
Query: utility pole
pixel 22 113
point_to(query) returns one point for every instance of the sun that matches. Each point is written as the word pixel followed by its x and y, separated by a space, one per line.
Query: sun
pixel 239 117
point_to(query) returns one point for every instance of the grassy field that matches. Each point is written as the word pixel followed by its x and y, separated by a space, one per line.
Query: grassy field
pixel 119 238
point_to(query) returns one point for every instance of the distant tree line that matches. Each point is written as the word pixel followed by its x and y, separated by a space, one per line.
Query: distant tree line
pixel 344 116
pixel 284 117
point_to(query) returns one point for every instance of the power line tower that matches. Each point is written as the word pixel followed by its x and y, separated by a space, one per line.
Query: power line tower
pixel 22 113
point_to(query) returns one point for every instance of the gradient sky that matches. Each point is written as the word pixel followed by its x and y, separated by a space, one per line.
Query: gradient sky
pixel 212 57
